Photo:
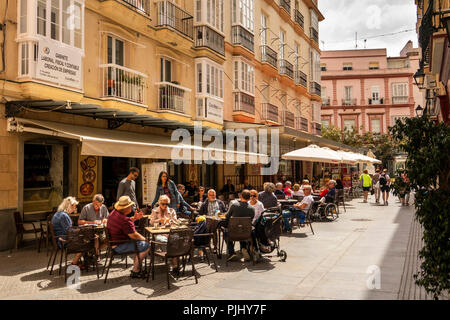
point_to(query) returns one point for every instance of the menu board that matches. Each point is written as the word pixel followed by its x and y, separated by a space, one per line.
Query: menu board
pixel 347 180
pixel 150 174
pixel 87 177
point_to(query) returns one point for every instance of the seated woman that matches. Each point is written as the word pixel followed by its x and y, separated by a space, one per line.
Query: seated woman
pixel 164 216
pixel 62 223
pixel 298 192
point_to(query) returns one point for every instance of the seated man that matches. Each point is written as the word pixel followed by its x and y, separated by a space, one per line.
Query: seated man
pixel 184 208
pixel 268 199
pixel 229 187
pixel 240 209
pixel 211 205
pixel 121 228
pixel 300 209
pixel 329 193
pixel 279 193
pixel 95 213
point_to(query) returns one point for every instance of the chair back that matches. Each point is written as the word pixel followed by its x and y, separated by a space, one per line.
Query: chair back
pixel 211 224
pixel 142 224
pixel 239 228
pixel 180 242
pixel 80 239
pixel 280 196
pixel 52 233
pixel 18 221
pixel 340 194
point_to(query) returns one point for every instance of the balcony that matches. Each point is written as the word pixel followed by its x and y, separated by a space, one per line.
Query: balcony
pixel 289 119
pixel 317 128
pixel 243 37
pixel 207 37
pixel 269 112
pixel 379 101
pixel 349 102
pixel 173 97
pixel 301 78
pixel 139 5
pixel 170 15
pixel 269 55
pixel 286 68
pixel 301 124
pixel 123 83
pixel 244 103
pixel 286 5
pixel 400 99
pixel 314 35
pixel 326 102
pixel 315 88
pixel 299 19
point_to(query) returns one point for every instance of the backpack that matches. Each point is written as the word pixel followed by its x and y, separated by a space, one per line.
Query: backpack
pixel 383 180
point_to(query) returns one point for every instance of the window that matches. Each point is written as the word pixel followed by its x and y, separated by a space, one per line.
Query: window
pixel 42 17
pixel 374 66
pixel 399 93
pixel 198 11
pixel 375 125
pixel 199 78
pixel 315 66
pixel 212 76
pixel 323 67
pixel 263 30
pixel 214 13
pixel 347 66
pixel 375 95
pixel 348 94
pixel 166 70
pixel 24 57
pixel 23 16
pixel 282 43
pixel 325 123
pixel 243 13
pixel 323 94
pixel 349 124
pixel 65 21
pixel 297 57
pixel 244 77
pixel 54 19
pixel 77 27
pixel 115 51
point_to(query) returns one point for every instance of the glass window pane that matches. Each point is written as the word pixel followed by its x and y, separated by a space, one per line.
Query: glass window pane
pixel 23 16
pixel 65 23
pixel 119 52
pixel 41 17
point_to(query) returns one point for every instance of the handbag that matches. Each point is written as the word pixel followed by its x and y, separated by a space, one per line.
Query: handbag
pixel 372 191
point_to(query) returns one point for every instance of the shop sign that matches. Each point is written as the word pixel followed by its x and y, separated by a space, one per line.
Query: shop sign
pixel 59 64
pixel 87 177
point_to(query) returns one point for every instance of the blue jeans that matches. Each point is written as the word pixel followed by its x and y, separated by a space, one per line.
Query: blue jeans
pixel 230 244
pixel 292 212
pixel 128 247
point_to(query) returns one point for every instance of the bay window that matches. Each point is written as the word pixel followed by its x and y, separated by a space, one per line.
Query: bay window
pixel 244 13
pixel 244 76
pixel 209 12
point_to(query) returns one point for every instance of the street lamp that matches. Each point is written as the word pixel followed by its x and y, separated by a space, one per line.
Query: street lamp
pixel 419 111
pixel 419 78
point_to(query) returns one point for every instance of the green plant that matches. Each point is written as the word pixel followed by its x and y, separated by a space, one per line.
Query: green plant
pixel 428 169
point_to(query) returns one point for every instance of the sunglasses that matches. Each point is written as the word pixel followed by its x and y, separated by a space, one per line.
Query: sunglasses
pixel 164 204
pixel 253 195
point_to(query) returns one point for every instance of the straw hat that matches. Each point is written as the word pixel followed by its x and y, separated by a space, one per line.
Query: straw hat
pixel 123 203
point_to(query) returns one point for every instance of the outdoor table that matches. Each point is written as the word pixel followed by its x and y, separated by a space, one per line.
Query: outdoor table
pixel 287 202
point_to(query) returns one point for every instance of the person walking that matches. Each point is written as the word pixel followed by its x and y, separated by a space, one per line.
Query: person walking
pixel 169 188
pixel 127 187
pixel 366 184
pixel 376 185
pixel 385 182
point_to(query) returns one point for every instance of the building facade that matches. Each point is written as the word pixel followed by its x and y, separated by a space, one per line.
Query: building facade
pixel 368 90
pixel 432 76
pixel 92 87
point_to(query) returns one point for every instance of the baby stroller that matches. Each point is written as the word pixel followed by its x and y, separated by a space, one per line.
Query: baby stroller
pixel 267 234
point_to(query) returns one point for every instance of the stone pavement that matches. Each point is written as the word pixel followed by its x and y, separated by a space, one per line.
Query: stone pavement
pixel 332 264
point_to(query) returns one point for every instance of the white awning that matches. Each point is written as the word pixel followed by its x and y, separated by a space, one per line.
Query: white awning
pixel 117 143
pixel 313 153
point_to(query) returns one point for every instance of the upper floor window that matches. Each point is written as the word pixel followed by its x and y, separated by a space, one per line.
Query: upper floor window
pixel 374 66
pixel 244 76
pixel 347 66
pixel 375 125
pixel 350 124
pixel 209 78
pixel 399 93
pixel 282 43
pixel 214 13
pixel 263 29
pixel 60 20
pixel 375 95
pixel 315 66
pixel 323 67
pixel 348 94
pixel 243 13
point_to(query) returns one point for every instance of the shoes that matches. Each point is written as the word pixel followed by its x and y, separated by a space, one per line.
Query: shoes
pixel 245 254
pixel 387 203
pixel 302 225
pixel 138 275
pixel 232 257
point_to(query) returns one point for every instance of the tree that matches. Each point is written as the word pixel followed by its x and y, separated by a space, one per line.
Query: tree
pixel 428 169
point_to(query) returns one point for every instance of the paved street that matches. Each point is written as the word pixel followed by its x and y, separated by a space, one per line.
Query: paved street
pixel 331 264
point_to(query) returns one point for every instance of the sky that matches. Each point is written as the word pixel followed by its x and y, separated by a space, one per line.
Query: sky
pixel 369 18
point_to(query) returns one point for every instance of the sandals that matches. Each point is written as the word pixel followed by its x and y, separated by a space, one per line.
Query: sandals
pixel 138 275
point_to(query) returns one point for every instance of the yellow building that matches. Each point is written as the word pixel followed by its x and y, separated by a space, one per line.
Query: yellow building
pixel 92 87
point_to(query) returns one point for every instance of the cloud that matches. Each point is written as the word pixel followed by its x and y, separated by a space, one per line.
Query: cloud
pixel 367 18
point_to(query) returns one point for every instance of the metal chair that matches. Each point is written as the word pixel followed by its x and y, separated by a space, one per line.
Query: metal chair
pixel 239 229
pixel 205 239
pixel 180 243
pixel 340 197
pixel 21 230
pixel 55 248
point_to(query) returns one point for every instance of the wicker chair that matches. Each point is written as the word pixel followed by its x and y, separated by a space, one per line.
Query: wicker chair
pixel 21 230
pixel 211 227
pixel 81 240
pixel 179 244
pixel 239 229
pixel 110 253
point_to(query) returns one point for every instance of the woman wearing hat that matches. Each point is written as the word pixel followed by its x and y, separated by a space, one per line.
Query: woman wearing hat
pixel 123 233
pixel 167 187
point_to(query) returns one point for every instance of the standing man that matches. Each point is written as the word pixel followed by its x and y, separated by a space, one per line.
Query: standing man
pixel 385 182
pixel 127 187
pixel 366 184
pixel 376 185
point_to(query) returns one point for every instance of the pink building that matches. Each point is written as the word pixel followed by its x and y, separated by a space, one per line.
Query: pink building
pixel 368 90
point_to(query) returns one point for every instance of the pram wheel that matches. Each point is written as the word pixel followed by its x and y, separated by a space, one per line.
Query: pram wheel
pixel 331 212
pixel 282 255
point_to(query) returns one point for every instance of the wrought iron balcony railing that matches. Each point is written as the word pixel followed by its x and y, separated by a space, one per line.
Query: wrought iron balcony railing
pixel 301 124
pixel 243 37
pixel 269 55
pixel 170 15
pixel 326 102
pixel 373 101
pixel 207 37
pixel 123 83
pixel 349 102
pixel 400 99
pixel 314 35
pixel 140 5
pixel 289 119
pixel 269 112
pixel 286 5
pixel 301 78
pixel 244 102
pixel 173 97
pixel 298 17
pixel 287 68
pixel 315 88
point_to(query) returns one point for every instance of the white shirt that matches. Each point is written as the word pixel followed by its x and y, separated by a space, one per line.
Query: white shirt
pixel 309 200
pixel 298 193
pixel 259 208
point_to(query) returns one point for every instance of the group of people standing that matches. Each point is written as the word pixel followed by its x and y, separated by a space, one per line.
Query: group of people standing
pixel 378 184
